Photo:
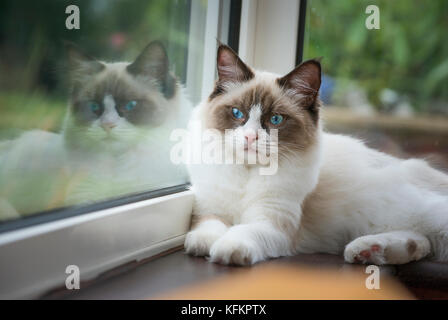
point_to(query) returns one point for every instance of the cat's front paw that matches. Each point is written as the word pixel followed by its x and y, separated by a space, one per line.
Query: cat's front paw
pixel 231 249
pixel 198 242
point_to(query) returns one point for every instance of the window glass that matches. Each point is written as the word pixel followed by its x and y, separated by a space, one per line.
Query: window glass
pixel 90 91
pixel 385 72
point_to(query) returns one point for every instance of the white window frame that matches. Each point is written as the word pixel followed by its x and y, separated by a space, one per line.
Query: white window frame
pixel 34 259
pixel 268 34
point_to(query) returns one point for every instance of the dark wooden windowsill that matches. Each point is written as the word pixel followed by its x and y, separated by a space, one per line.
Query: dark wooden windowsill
pixel 174 269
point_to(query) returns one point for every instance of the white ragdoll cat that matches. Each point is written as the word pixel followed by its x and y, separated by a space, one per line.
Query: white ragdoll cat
pixel 115 137
pixel 330 194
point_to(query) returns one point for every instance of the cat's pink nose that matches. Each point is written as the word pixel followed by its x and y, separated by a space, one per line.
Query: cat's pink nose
pixel 250 138
pixel 108 125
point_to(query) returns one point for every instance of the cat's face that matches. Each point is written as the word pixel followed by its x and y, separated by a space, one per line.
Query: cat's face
pixel 113 106
pixel 255 105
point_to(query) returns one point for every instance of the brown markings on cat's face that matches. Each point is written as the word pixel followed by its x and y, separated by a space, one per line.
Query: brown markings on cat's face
pixel 130 102
pixel 293 96
pixel 296 131
pixel 137 91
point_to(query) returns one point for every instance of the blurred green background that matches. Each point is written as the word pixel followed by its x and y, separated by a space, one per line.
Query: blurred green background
pixel 387 86
pixel 408 55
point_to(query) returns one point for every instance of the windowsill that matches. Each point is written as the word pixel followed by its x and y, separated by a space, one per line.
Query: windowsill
pixel 429 124
pixel 174 269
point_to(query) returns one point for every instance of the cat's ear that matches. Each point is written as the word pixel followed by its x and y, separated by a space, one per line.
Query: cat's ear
pixel 153 63
pixel 81 64
pixel 230 67
pixel 304 81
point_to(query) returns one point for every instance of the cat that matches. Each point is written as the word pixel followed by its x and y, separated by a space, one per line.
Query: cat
pixel 330 194
pixel 114 140
pixel 120 117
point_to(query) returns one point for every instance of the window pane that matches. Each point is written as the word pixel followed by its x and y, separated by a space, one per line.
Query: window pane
pixel 388 86
pixel 88 101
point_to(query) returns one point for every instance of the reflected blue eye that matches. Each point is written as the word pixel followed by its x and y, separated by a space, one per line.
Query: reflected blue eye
pixel 276 119
pixel 130 105
pixel 95 107
pixel 237 113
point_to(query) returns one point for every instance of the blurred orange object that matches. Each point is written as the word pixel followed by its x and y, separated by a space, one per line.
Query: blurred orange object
pixel 291 283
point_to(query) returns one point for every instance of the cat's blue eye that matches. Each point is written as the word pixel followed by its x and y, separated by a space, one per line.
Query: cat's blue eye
pixel 94 106
pixel 237 113
pixel 130 105
pixel 276 119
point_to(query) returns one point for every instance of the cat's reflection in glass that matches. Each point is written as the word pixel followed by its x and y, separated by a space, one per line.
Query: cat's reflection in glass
pixel 114 141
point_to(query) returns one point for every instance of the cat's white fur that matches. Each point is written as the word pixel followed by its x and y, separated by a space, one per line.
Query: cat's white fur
pixel 338 197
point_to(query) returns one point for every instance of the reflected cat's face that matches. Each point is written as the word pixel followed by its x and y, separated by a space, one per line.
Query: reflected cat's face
pixel 113 106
